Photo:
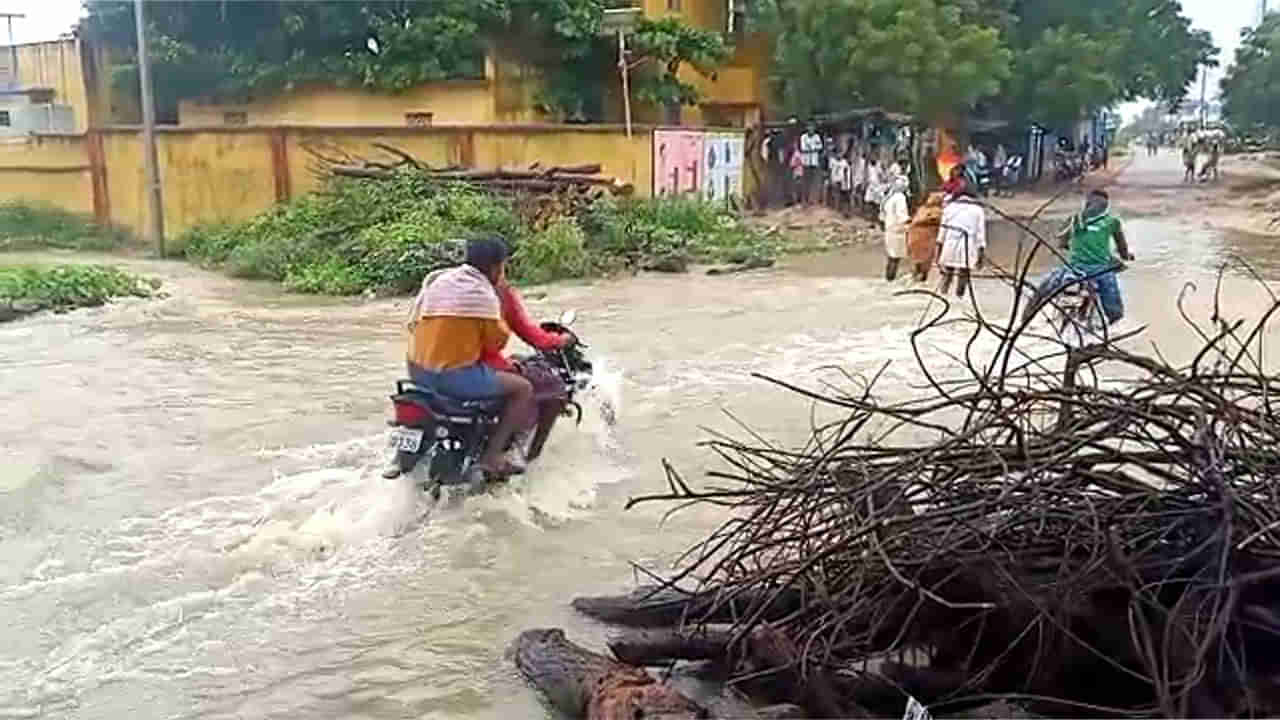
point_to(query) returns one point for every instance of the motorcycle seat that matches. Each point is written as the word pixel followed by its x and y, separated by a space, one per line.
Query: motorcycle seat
pixel 449 407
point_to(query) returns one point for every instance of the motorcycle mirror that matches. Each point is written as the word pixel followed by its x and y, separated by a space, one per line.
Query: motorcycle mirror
pixel 567 317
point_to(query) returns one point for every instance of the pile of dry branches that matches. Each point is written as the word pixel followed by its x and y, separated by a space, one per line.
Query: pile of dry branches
pixel 1082 531
pixel 567 188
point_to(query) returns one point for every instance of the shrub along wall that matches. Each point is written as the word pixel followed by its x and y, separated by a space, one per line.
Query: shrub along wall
pixel 227 174
pixel 383 236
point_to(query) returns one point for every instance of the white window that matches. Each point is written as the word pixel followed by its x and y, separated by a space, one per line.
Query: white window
pixel 4 119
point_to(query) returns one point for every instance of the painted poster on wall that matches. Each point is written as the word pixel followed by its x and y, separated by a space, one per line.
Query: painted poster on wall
pixel 722 166
pixel 678 161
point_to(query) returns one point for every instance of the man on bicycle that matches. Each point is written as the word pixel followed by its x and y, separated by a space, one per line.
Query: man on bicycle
pixel 1088 236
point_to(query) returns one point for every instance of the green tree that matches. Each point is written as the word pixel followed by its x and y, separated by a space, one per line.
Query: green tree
pixel 1073 56
pixel 1044 60
pixel 918 56
pixel 248 48
pixel 1251 87
pixel 659 48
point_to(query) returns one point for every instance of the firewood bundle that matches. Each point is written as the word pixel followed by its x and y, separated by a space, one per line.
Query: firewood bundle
pixel 566 188
pixel 1083 532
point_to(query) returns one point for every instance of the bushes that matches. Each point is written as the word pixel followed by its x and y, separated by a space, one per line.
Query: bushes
pixel 674 229
pixel 25 289
pixel 385 235
pixel 28 227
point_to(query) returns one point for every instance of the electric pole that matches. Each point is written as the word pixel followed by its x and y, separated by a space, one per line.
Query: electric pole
pixel 1203 86
pixel 151 169
pixel 13 47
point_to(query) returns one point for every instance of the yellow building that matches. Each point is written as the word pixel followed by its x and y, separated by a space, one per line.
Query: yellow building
pixel 505 95
pixel 738 95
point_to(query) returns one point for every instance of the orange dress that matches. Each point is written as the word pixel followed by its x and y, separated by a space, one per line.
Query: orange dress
pixel 922 236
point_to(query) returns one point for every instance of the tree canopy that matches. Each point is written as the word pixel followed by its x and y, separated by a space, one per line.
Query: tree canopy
pixel 263 47
pixel 1043 60
pixel 912 55
pixel 1251 87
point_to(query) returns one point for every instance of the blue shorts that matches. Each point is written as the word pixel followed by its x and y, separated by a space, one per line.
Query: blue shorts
pixel 474 382
pixel 1104 283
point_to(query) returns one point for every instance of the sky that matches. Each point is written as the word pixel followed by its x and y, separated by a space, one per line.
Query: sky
pixel 47 19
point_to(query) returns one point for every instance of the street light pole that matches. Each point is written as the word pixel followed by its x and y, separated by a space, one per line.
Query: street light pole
pixel 155 205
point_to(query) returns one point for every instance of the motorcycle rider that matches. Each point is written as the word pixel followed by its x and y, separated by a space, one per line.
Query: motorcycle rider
pixel 455 323
pixel 517 319
pixel 1089 235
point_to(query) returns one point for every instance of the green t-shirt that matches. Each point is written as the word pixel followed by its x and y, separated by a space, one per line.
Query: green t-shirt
pixel 1091 240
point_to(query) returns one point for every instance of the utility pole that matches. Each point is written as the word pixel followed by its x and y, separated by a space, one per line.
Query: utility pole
pixel 1203 87
pixel 13 47
pixel 155 205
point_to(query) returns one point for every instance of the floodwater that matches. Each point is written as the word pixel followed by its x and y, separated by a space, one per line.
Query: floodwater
pixel 193 522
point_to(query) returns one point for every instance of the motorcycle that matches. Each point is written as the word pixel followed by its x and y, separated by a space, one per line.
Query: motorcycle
pixel 448 435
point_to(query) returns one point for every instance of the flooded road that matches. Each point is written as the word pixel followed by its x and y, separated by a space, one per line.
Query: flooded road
pixel 193 523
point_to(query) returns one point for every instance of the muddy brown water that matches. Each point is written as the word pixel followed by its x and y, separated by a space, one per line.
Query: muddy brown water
pixel 192 521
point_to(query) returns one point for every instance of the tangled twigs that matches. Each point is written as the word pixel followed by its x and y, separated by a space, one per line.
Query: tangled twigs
pixel 1083 530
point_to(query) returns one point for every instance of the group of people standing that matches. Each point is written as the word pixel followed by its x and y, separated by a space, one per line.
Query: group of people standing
pixel 848 176
pixel 949 229
pixel 1193 146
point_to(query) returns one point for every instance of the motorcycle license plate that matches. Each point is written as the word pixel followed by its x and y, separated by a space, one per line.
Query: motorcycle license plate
pixel 406 439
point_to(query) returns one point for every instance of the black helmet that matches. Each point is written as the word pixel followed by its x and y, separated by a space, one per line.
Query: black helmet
pixel 487 252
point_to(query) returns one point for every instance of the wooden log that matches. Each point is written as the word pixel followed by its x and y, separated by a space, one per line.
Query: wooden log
pixel 406 157
pixel 649 606
pixel 659 647
pixel 582 683
pixel 589 169
pixel 354 171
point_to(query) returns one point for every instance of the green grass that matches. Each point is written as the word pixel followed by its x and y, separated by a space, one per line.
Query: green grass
pixel 384 235
pixel 30 288
pixel 32 227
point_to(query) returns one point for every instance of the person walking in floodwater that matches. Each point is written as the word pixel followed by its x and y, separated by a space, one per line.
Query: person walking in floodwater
pixel 964 240
pixel 922 236
pixel 895 216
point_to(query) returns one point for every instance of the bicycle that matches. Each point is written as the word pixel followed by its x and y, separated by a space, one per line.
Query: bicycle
pixel 1076 314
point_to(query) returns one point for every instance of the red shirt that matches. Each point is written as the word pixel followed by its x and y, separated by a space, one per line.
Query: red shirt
pixel 517 318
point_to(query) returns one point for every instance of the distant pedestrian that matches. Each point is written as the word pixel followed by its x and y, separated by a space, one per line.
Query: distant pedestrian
pixel 874 193
pixel 858 172
pixel 964 241
pixel 811 160
pixel 895 216
pixel 1210 168
pixel 955 183
pixel 1189 160
pixel 922 237
pixel 797 178
pixel 1001 159
pixel 838 183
